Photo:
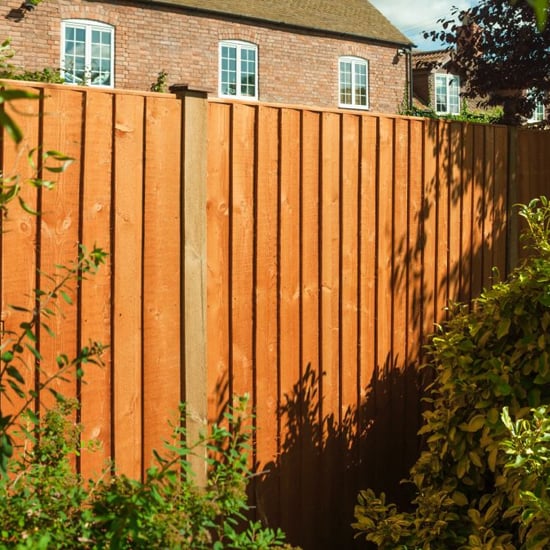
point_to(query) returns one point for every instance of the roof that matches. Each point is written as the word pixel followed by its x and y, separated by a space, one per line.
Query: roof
pixel 358 18
pixel 429 60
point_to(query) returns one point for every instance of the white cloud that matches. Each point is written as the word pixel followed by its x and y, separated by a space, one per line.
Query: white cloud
pixel 412 17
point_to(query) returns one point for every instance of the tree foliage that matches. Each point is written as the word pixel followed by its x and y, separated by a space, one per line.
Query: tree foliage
pixel 501 51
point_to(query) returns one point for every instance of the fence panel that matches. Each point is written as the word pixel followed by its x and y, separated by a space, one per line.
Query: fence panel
pixel 365 229
pixel 335 241
pixel 122 192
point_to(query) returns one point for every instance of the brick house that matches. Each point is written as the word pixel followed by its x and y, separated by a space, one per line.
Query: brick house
pixel 437 86
pixel 316 52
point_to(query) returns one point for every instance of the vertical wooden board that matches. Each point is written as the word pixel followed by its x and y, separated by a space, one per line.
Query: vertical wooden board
pixel 489 206
pixel 417 240
pixel 456 198
pixel 401 249
pixel 309 388
pixel 444 189
pixel 415 312
pixel 242 246
pixel 350 266
pixel 349 320
pixel 384 328
pixel 60 231
pixel 479 213
pixel 368 366
pixel 468 256
pixel 399 291
pixel 95 316
pixel 218 281
pixel 127 335
pixel 162 274
pixel 330 263
pixel 430 208
pixel 367 255
pixel 18 241
pixel 501 199
pixel 266 382
pixel 289 328
pixel 330 306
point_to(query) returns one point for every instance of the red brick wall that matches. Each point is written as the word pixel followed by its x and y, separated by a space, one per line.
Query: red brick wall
pixel 294 67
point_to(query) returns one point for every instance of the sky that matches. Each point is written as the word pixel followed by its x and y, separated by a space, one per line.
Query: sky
pixel 412 17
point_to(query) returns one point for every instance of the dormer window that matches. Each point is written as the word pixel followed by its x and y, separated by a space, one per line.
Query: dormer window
pixel 447 94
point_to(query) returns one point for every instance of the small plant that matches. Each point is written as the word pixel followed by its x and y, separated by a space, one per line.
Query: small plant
pixel 482 480
pixel 161 84
pixel 11 72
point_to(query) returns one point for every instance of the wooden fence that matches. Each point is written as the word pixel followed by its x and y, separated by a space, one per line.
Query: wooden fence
pixel 334 242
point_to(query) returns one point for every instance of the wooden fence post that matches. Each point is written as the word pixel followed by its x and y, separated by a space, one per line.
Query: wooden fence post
pixel 512 255
pixel 193 170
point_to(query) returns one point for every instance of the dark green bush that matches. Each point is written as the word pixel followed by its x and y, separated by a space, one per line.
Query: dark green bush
pixel 491 364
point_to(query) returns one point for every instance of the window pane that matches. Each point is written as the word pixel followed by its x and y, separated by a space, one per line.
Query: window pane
pixel 345 82
pixel 248 72
pixel 360 84
pixel 440 93
pixel 229 70
pixel 454 95
pixel 74 60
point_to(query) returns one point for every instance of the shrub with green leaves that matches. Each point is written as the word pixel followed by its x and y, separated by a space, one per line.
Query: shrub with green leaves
pixel 45 504
pixel 490 363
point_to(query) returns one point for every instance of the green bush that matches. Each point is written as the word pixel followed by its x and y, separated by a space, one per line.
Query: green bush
pixel 45 504
pixel 491 364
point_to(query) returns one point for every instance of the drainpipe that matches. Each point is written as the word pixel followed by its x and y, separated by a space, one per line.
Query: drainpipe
pixel 409 77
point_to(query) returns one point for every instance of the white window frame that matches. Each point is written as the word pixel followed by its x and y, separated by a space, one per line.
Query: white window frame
pixel 88 26
pixel 355 62
pixel 449 79
pixel 240 47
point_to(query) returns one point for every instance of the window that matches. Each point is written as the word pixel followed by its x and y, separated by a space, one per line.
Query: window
pixel 238 69
pixel 354 82
pixel 447 94
pixel 538 114
pixel 87 52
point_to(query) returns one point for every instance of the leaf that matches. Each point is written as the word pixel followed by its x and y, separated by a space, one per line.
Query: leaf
pixel 66 297
pixel 10 126
pixel 503 327
pixel 475 424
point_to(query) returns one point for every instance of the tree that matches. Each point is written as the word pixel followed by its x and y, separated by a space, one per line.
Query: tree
pixel 501 51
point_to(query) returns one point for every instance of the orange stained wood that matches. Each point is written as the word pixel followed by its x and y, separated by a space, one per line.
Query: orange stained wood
pixel 19 243
pixel 95 315
pixel 266 334
pixel 127 330
pixel 60 233
pixel 162 234
pixel 218 246
pixel 289 320
pixel 242 246
pixel 443 201
pixel 310 441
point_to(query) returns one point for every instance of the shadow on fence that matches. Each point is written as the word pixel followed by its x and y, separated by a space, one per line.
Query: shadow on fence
pixel 311 490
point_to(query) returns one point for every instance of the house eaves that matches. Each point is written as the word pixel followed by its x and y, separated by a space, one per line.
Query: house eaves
pixel 354 18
